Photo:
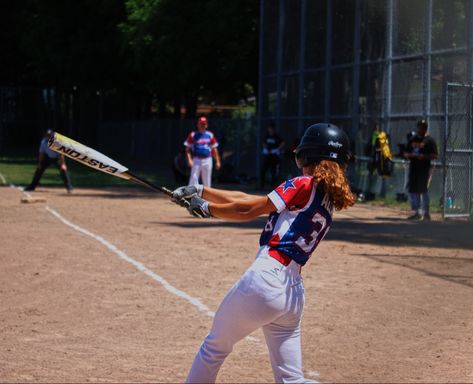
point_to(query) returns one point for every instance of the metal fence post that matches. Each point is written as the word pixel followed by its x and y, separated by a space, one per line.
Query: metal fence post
pixel 355 121
pixel 328 60
pixel 302 32
pixel 444 159
pixel 259 102
pixel 389 67
pixel 427 61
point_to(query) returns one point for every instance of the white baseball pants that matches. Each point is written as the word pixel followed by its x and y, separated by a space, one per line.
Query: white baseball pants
pixel 268 295
pixel 201 167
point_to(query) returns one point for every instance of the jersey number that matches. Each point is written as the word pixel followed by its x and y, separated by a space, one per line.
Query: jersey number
pixel 308 242
pixel 269 224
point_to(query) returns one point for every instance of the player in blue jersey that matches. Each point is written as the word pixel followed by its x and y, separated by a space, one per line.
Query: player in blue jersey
pixel 270 294
pixel 201 145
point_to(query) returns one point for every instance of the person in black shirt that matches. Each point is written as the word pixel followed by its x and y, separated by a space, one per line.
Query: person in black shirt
pixel 421 150
pixel 272 146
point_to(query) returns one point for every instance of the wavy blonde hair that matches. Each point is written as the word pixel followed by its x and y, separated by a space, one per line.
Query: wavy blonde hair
pixel 331 176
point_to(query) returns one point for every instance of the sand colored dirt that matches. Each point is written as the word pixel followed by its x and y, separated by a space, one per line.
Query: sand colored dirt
pixel 387 300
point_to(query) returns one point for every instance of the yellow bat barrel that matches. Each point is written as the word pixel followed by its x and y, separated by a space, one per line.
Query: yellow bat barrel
pixel 87 156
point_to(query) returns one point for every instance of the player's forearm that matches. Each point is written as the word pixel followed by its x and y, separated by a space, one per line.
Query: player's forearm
pixel 216 155
pixel 240 211
pixel 188 156
pixel 223 196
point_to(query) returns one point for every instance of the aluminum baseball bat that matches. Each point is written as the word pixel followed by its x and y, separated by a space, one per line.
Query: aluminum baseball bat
pixel 94 159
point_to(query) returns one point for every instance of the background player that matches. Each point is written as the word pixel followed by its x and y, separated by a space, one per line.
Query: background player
pixel 421 150
pixel 272 147
pixel 270 294
pixel 47 157
pixel 201 145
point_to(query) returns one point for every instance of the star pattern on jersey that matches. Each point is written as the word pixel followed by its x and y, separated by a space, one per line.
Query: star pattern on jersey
pixel 289 184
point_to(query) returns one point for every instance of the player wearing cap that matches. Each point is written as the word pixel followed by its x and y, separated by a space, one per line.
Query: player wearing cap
pixel 45 159
pixel 201 145
pixel 421 150
pixel 270 294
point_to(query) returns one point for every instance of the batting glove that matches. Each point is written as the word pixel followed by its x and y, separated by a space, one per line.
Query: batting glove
pixel 183 194
pixel 199 207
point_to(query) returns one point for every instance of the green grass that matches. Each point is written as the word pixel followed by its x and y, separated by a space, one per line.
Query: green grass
pixel 19 170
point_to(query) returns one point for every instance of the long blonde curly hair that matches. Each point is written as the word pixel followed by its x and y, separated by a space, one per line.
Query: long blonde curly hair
pixel 332 177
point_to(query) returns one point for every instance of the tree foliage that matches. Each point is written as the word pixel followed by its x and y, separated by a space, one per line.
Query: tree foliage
pixel 66 43
pixel 194 47
pixel 170 50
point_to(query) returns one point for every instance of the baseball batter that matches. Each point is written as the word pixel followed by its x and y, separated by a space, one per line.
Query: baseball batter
pixel 270 294
pixel 201 145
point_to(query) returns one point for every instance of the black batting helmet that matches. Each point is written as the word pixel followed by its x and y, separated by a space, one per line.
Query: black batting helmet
pixel 323 141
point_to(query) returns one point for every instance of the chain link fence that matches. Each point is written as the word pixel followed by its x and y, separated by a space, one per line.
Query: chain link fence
pixel 458 151
pixel 156 144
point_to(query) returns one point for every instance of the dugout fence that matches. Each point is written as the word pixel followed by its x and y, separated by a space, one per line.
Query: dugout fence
pixel 458 151
pixel 155 143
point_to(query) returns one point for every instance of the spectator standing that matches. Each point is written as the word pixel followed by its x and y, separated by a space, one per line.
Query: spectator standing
pixel 421 150
pixel 201 145
pixel 272 147
pixel 47 157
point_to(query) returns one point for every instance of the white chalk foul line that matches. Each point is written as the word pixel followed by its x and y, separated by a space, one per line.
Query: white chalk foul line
pixel 140 266
pixel 21 189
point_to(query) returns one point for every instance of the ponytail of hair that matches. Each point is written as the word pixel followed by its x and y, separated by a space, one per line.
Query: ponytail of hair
pixel 331 176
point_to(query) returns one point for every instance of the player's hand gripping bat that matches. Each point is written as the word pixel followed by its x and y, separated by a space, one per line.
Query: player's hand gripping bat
pixel 94 159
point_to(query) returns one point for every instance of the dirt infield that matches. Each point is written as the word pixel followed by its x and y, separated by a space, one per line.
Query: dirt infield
pixel 387 300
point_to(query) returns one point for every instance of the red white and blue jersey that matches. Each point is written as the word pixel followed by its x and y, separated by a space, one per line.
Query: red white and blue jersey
pixel 201 143
pixel 303 217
